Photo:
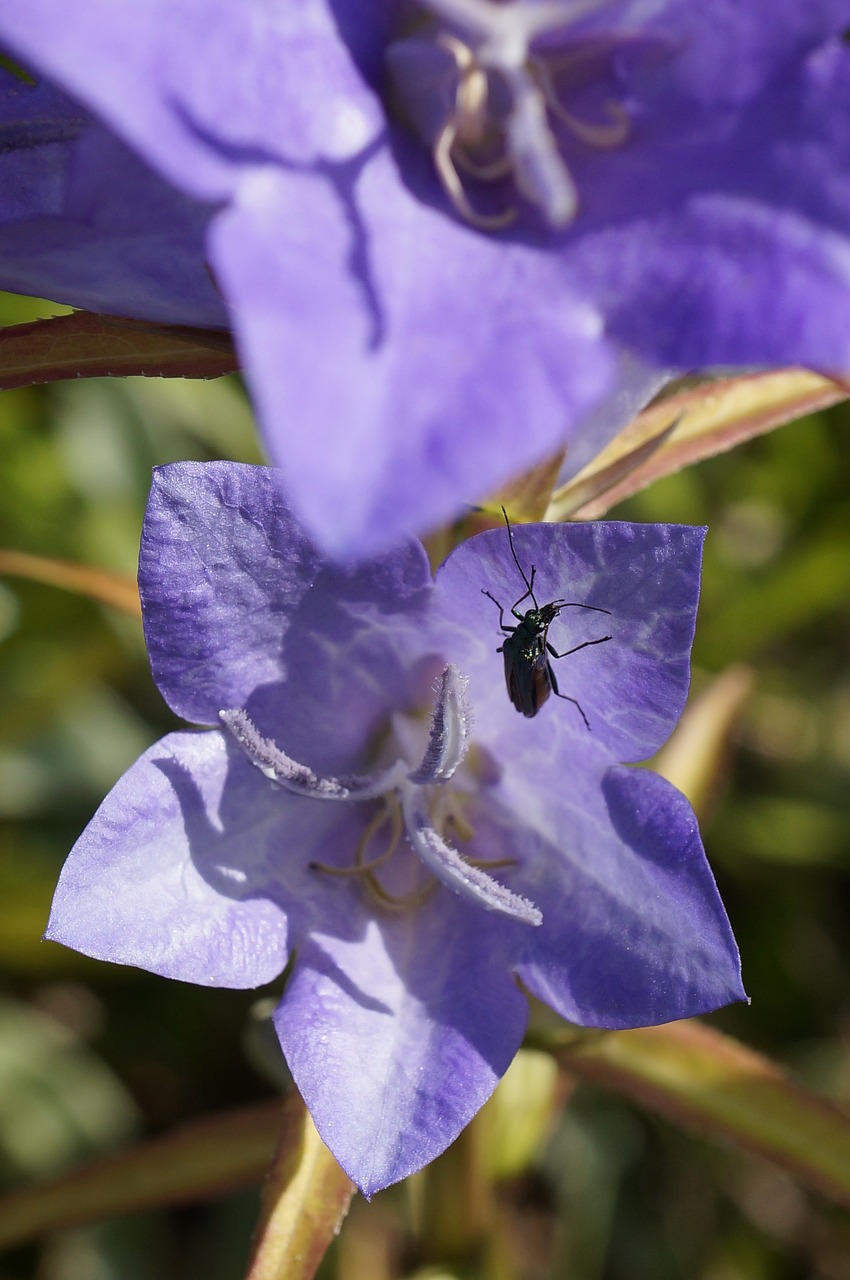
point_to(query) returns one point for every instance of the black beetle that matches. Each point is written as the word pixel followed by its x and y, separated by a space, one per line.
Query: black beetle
pixel 527 651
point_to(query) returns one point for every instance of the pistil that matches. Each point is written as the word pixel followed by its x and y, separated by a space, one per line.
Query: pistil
pixel 490 45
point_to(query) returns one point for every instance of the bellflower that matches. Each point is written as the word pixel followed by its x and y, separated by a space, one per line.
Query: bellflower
pixel 84 220
pixel 372 813
pixel 435 224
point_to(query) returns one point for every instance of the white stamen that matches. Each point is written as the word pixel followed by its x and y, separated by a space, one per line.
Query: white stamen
pixel 499 37
pixel 448 866
pixel 278 767
pixel 540 172
pixel 448 741
pixel 448 734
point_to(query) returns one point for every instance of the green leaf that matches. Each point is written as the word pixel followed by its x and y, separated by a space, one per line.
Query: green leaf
pixel 705 1081
pixel 196 1162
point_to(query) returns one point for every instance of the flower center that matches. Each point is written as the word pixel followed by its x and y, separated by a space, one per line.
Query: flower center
pixel 489 107
pixel 410 803
pixel 380 840
pixel 384 834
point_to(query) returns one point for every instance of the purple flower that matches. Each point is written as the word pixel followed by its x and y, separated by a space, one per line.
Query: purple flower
pixel 365 715
pixel 436 226
pixel 84 220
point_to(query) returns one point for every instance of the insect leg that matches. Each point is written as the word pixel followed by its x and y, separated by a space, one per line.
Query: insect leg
pixel 507 630
pixel 529 592
pixel 566 697
pixel 584 645
pixel 529 582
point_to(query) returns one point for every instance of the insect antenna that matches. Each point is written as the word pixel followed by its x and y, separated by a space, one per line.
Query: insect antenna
pixel 579 604
pixel 529 584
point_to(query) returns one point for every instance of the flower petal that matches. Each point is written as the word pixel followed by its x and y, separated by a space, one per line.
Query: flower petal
pixel 240 611
pixel 403 362
pixel 397 1041
pixel 427 361
pixel 728 52
pixel 692 289
pixel 83 220
pixel 204 88
pixel 634 931
pixel 222 568
pixel 633 688
pixel 196 867
pixel 157 881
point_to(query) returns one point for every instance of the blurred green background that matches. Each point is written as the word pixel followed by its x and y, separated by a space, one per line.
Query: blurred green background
pixel 92 1054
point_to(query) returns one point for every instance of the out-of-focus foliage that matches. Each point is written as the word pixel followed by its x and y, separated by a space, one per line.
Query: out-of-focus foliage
pixel 614 1194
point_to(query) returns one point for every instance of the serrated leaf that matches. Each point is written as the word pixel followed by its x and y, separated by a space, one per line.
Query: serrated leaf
pixel 85 345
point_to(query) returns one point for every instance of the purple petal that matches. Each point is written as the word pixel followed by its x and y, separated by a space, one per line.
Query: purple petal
pixel 404 363
pixel 84 221
pixel 427 360
pixel 727 181
pixel 633 688
pixel 693 288
pixel 158 880
pixel 812 153
pixel 728 51
pixel 222 568
pixel 634 932
pixel 199 120
pixel 195 867
pixel 241 612
pixel 35 115
pixel 397 1040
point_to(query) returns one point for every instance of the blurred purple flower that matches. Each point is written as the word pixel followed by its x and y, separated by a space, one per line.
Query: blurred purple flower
pixel 223 856
pixel 436 226
pixel 84 220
